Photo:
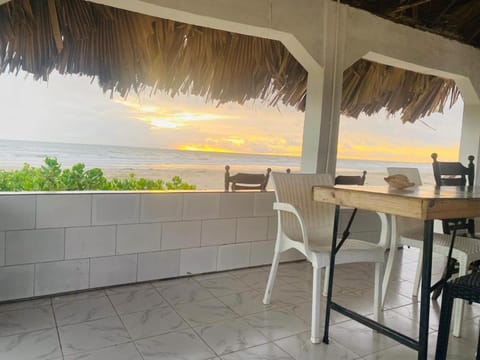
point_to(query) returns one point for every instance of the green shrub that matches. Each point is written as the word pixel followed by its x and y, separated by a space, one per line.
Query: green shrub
pixel 51 177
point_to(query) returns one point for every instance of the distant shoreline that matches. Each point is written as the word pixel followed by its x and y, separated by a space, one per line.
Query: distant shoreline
pixel 204 169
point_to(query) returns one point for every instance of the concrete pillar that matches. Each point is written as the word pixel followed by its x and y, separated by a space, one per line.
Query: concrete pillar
pixel 470 136
pixel 312 122
pixel 324 94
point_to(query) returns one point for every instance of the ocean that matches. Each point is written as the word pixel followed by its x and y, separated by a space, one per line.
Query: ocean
pixel 204 169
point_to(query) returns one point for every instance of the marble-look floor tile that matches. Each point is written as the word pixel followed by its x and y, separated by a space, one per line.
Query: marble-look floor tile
pixel 225 285
pixel 92 335
pixel 276 324
pixel 26 304
pixel 126 351
pixel 240 272
pixel 287 322
pixel 153 322
pixel 401 352
pixel 304 312
pixel 289 294
pixel 300 348
pixel 137 300
pixel 37 345
pixel 182 345
pixel 367 341
pixel 26 320
pixel 229 336
pixel 205 312
pixel 362 301
pixel 256 279
pixel 182 291
pixel 412 312
pixel 209 276
pixel 128 288
pixel 399 323
pixel 395 300
pixel 262 352
pixel 77 296
pixel 92 308
pixel 245 303
pixel 292 275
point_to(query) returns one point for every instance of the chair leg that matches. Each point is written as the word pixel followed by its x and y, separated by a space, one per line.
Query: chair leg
pixel 271 278
pixel 418 275
pixel 458 305
pixel 377 293
pixel 316 296
pixel 325 281
pixel 388 272
pixel 478 348
pixel 444 326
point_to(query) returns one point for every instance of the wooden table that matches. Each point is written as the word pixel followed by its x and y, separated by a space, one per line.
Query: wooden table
pixel 423 202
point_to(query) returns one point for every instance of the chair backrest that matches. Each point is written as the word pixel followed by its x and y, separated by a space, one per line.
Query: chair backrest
pixel 246 181
pixel 412 174
pixel 351 179
pixel 296 189
pixel 453 173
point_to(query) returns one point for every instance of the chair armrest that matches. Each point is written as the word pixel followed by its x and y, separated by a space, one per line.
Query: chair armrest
pixel 386 234
pixel 287 207
pixel 280 206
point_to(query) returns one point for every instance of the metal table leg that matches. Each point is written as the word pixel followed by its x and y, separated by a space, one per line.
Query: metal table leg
pixel 330 277
pixel 421 346
pixel 425 296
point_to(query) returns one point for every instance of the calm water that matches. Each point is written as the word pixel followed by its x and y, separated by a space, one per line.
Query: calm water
pixel 13 154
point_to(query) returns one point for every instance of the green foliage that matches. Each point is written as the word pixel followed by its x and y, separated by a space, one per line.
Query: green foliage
pixel 51 177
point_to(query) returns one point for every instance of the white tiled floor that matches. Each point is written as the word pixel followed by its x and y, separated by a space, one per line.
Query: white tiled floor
pixel 221 317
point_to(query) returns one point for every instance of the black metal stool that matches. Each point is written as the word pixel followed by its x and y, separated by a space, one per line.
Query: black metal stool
pixel 465 287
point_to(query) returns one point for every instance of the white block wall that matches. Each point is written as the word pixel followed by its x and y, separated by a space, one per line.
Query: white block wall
pixel 60 242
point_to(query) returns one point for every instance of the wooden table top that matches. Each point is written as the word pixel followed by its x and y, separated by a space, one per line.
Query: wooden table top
pixel 420 202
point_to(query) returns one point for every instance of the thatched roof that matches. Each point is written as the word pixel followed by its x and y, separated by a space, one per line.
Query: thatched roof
pixel 455 19
pixel 126 51
pixel 368 87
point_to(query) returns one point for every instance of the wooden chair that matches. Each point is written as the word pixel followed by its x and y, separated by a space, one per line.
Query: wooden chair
pixel 455 174
pixel 246 181
pixel 306 225
pixel 351 179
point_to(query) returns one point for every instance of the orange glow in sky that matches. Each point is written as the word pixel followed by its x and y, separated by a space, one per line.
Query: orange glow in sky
pixel 227 129
pixel 241 129
pixel 81 113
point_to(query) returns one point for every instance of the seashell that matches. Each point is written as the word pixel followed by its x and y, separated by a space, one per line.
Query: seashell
pixel 399 181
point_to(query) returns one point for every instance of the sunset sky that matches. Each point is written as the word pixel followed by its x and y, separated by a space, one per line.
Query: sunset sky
pixel 74 110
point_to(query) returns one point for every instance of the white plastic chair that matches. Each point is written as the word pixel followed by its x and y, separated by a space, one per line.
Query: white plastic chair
pixel 307 226
pixel 409 232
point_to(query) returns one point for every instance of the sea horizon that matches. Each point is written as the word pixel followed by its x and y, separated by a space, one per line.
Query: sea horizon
pixel 202 168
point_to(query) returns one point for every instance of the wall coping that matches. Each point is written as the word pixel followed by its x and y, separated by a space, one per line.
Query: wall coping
pixel 123 192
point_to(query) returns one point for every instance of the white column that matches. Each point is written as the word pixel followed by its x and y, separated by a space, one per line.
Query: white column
pixel 311 125
pixel 470 137
pixel 324 93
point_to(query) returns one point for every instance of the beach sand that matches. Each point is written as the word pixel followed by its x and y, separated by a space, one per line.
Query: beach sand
pixel 211 177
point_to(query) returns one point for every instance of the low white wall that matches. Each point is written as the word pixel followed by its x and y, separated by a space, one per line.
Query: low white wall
pixel 61 242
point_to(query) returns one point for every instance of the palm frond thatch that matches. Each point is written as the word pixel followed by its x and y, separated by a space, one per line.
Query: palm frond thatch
pixel 128 51
pixel 369 87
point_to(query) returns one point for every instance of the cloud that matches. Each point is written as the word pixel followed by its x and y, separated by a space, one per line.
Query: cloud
pixel 72 109
pixel 381 137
